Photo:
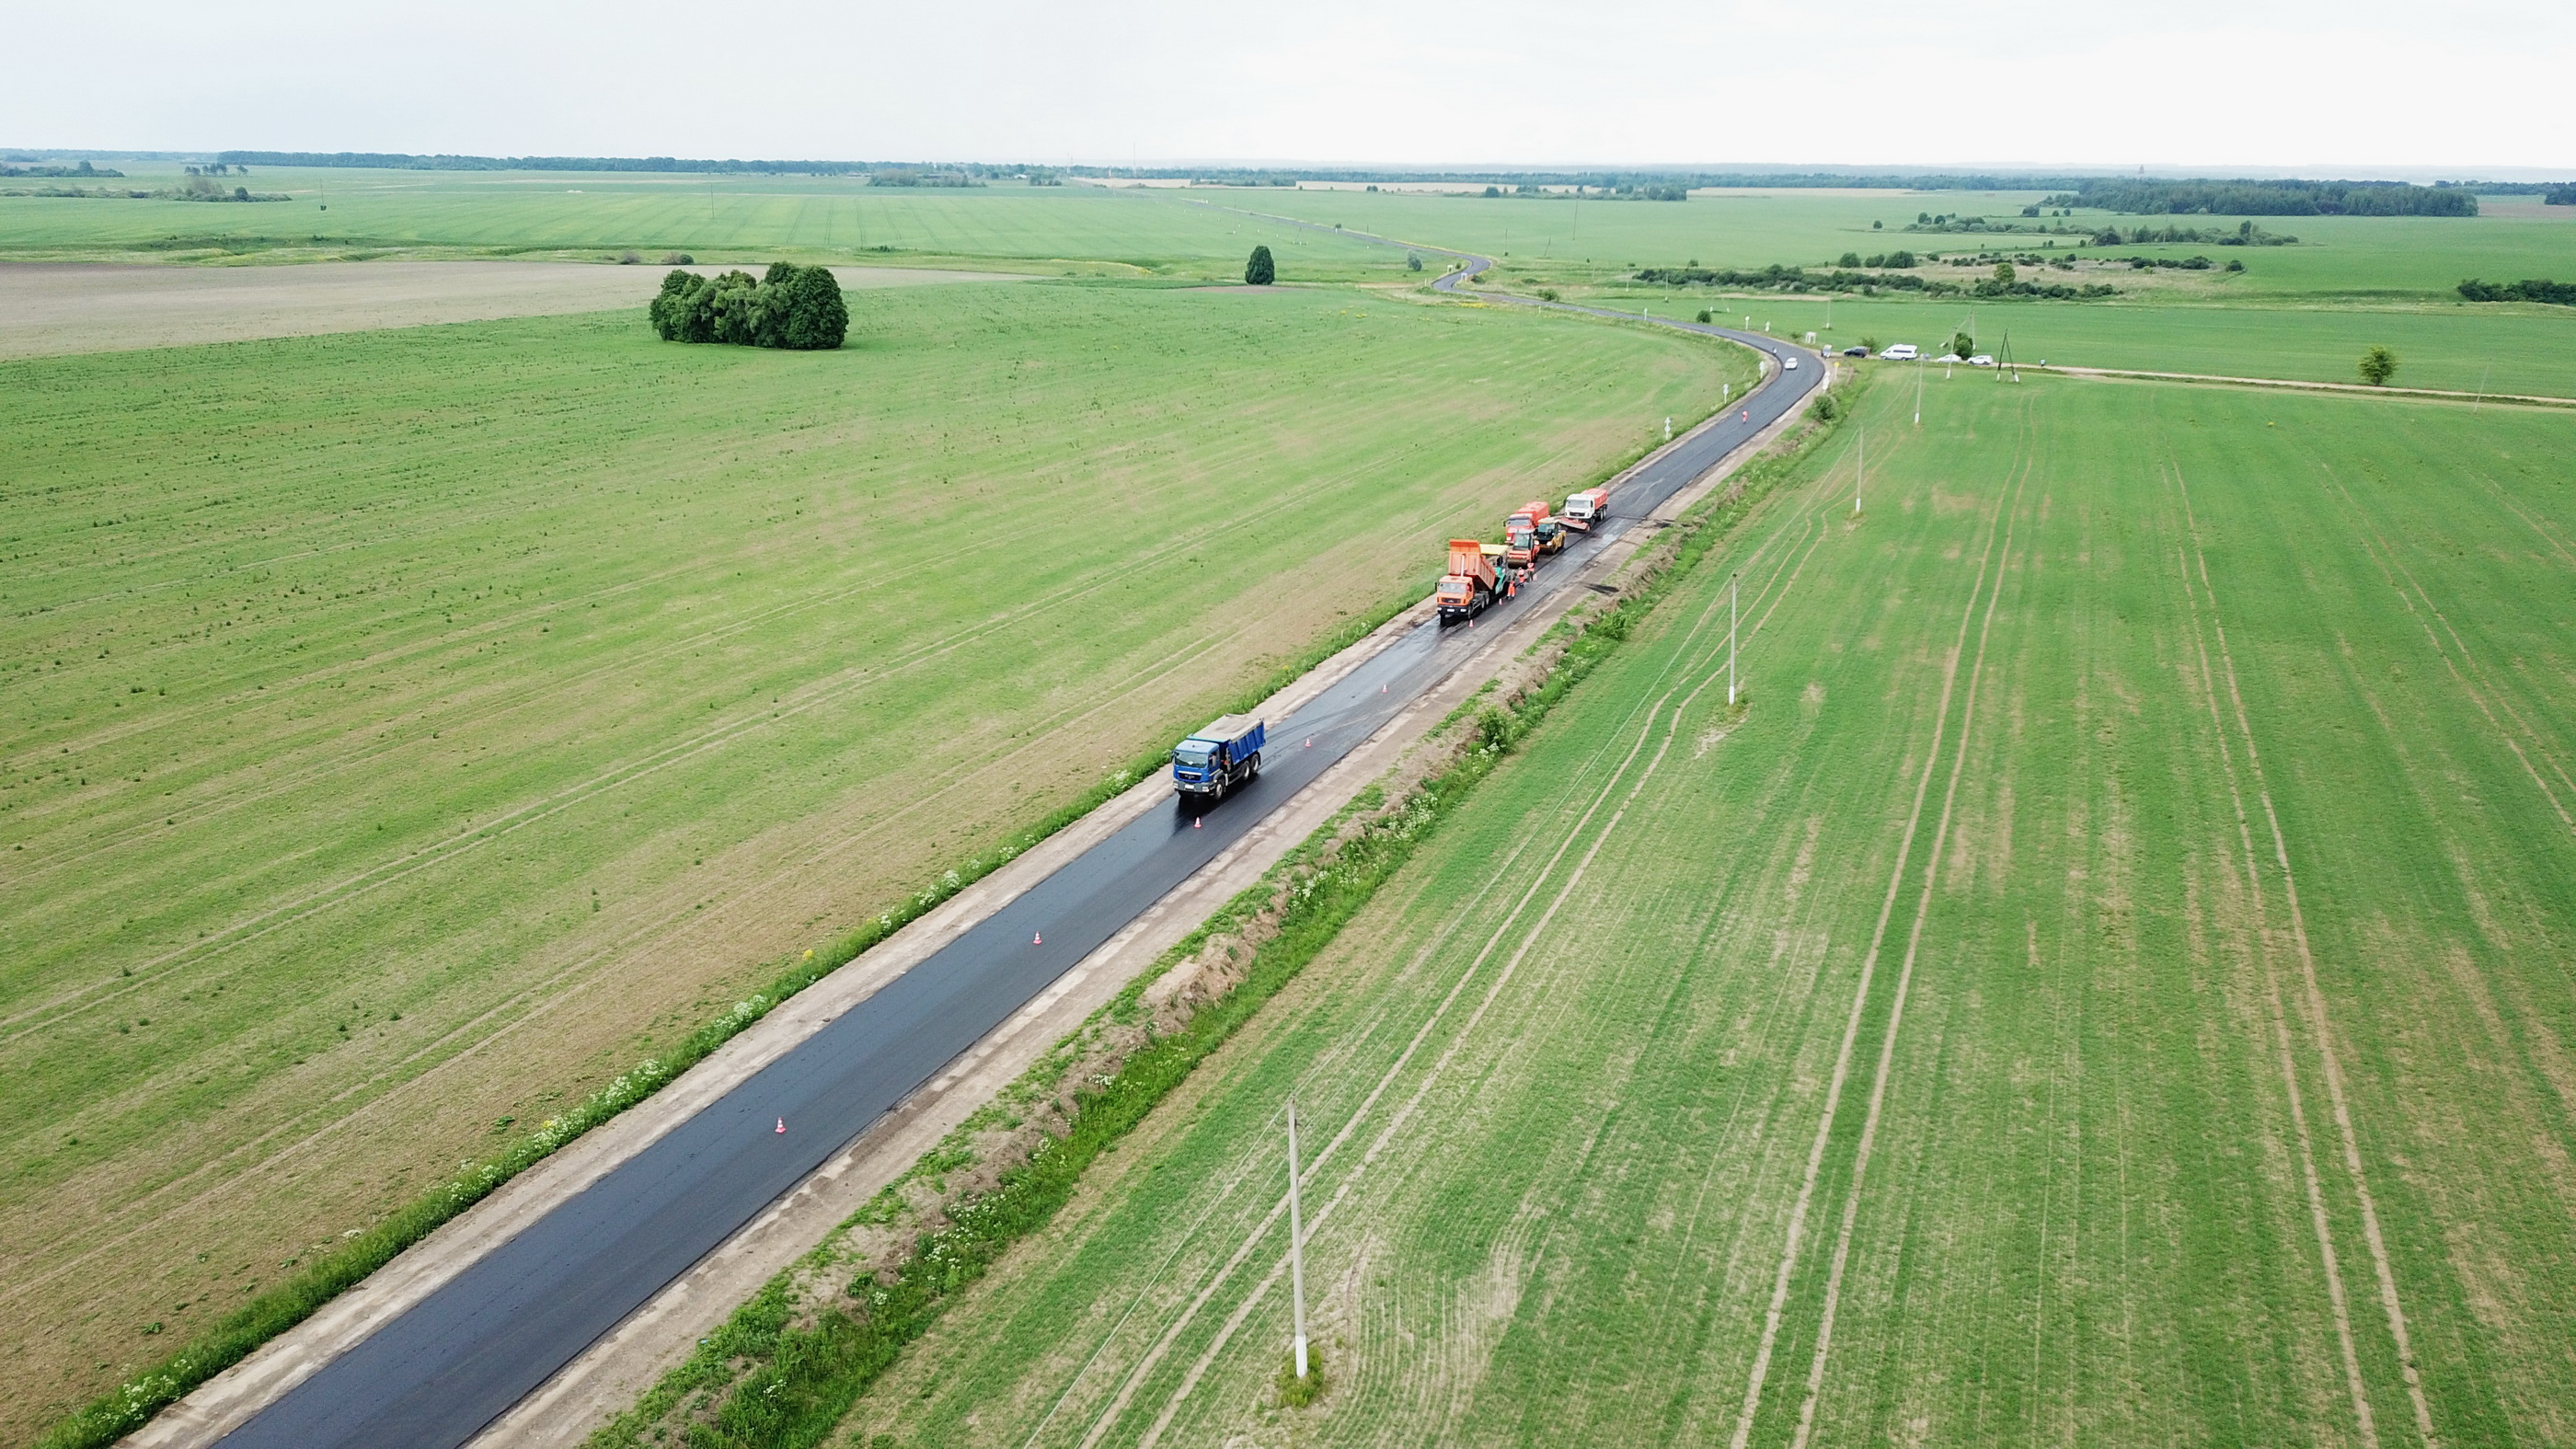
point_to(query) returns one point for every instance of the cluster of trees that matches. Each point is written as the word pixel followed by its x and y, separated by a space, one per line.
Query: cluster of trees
pixel 1776 278
pixel 792 307
pixel 2559 196
pixel 1671 191
pixel 2561 293
pixel 911 176
pixel 1897 259
pixel 2247 234
pixel 201 187
pixel 2141 195
pixel 2186 264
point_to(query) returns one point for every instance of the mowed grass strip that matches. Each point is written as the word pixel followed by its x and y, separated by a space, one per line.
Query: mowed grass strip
pixel 406 732
pixel 1579 1050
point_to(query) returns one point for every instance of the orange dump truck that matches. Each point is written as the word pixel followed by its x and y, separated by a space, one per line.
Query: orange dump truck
pixel 1530 533
pixel 1468 588
pixel 1586 509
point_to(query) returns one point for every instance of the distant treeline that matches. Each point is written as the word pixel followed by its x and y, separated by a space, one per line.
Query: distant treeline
pixel 84 170
pixel 2246 234
pixel 2142 195
pixel 1777 278
pixel 794 307
pixel 2561 293
pixel 398 161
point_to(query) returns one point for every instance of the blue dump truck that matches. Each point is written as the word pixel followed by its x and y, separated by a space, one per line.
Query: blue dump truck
pixel 1210 763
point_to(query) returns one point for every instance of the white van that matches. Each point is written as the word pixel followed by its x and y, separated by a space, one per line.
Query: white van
pixel 1789 364
pixel 1901 352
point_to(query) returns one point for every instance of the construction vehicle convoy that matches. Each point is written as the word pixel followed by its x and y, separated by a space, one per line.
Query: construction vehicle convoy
pixel 1212 761
pixel 1480 573
pixel 1530 533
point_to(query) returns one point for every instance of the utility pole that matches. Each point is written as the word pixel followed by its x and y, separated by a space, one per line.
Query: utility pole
pixel 1730 639
pixel 1296 1242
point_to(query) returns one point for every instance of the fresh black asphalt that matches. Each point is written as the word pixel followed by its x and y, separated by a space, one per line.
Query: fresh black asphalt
pixel 439 1372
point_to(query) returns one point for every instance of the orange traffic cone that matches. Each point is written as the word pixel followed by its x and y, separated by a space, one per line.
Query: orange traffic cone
pixel 1037 938
pixel 1197 824
pixel 782 1125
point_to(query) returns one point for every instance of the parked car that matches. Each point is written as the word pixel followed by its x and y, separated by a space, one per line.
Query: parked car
pixel 1855 352
pixel 1982 359
pixel 1901 352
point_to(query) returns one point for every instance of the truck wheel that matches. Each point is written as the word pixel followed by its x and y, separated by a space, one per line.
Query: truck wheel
pixel 1252 770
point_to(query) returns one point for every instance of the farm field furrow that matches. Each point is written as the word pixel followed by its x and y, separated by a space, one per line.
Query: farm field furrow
pixel 2109 984
pixel 403 732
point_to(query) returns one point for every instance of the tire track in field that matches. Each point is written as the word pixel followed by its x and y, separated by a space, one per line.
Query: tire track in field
pixel 1466 1032
pixel 1773 1315
pixel 1136 1376
pixel 581 684
pixel 2409 593
pixel 827 691
pixel 2319 1024
pixel 2007 510
pixel 547 995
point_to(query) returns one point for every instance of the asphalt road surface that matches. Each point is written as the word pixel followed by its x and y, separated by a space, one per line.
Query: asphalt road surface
pixel 434 1376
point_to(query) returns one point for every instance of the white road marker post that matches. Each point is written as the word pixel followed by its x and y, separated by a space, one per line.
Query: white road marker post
pixel 1730 639
pixel 1918 389
pixel 1296 1243
pixel 1860 472
pixel 1668 430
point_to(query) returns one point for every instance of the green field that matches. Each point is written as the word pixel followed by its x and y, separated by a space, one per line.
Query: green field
pixel 2108 985
pixel 406 731
pixel 2505 349
pixel 713 218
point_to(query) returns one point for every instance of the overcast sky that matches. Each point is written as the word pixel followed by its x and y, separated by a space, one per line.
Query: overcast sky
pixel 2348 86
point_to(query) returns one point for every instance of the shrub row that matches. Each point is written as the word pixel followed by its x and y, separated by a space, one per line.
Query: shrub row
pixel 792 307
pixel 2528 290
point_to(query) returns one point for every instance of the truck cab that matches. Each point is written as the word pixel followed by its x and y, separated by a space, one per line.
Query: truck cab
pixel 1585 509
pixel 1212 761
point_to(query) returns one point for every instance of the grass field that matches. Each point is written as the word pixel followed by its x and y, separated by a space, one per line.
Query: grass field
pixel 406 731
pixel 2515 349
pixel 714 218
pixel 2108 985
pixel 2338 257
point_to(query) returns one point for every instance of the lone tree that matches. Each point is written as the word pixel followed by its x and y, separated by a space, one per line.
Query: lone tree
pixel 2004 273
pixel 1962 345
pixel 2378 365
pixel 1260 271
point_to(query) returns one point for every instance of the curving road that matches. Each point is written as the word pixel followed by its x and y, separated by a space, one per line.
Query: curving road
pixel 434 1376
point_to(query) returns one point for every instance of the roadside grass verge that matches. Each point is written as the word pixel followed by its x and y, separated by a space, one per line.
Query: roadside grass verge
pixel 784 1370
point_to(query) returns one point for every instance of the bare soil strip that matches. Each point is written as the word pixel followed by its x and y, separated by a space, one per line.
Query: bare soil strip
pixel 56 308
pixel 2319 1024
pixel 2006 510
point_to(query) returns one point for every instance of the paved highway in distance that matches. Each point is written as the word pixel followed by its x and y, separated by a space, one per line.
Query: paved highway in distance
pixel 437 1374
